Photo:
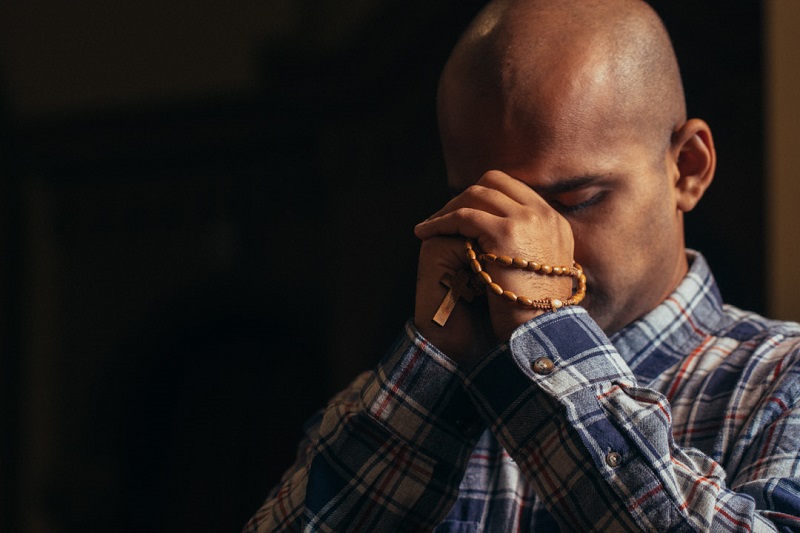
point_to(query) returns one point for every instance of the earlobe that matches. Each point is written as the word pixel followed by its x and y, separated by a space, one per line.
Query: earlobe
pixel 696 160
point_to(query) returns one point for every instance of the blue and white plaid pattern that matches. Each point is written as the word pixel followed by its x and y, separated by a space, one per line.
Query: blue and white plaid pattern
pixel 686 420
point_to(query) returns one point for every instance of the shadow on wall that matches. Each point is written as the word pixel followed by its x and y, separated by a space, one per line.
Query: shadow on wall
pixel 193 425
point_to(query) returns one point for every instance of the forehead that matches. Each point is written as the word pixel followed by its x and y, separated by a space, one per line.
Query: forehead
pixel 540 152
pixel 560 115
pixel 553 171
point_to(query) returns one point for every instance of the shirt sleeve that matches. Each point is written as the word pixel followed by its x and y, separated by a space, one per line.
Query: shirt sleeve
pixel 599 449
pixel 387 454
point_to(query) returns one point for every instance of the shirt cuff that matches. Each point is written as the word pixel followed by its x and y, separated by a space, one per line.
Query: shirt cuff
pixel 554 367
pixel 580 353
pixel 417 393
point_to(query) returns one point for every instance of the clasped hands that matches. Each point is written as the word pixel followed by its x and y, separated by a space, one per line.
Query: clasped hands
pixel 501 215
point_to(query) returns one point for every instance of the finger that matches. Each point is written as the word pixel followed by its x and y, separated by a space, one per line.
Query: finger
pixel 481 198
pixel 513 188
pixel 465 221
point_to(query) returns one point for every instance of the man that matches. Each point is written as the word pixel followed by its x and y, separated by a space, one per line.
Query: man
pixel 651 406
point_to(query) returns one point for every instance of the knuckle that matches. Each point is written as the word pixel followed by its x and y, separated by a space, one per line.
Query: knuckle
pixel 554 220
pixel 490 179
pixel 461 213
pixel 477 190
pixel 507 228
pixel 492 176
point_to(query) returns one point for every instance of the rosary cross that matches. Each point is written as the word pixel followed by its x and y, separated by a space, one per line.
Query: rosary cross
pixel 457 289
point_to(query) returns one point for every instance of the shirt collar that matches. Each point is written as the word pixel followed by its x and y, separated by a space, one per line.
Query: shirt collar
pixel 675 327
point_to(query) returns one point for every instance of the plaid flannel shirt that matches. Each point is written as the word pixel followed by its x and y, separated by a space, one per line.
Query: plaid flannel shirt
pixel 686 420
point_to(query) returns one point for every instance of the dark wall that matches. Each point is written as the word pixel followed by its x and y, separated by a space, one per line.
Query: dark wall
pixel 186 281
pixel 719 44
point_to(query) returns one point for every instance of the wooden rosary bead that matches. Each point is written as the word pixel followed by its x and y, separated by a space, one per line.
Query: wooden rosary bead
pixel 575 271
pixel 522 300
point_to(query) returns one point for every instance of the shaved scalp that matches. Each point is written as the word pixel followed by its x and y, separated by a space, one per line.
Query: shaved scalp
pixel 603 64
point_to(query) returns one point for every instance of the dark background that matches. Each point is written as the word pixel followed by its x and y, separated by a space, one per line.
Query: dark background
pixel 186 279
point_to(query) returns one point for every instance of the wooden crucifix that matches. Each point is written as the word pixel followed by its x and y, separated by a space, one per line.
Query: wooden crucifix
pixel 457 288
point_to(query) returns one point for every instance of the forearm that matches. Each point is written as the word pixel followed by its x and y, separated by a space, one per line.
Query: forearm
pixel 388 455
pixel 597 448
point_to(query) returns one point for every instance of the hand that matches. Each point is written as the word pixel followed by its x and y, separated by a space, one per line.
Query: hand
pixel 503 216
pixel 467 335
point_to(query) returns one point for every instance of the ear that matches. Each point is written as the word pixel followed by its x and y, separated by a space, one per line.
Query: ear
pixel 695 158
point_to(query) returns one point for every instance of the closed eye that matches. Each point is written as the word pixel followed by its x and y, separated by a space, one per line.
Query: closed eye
pixel 572 203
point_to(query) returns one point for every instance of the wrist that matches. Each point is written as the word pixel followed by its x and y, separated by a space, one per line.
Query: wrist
pixel 549 288
pixel 465 339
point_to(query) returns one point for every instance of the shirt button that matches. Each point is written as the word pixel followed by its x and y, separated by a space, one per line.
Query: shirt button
pixel 542 366
pixel 613 459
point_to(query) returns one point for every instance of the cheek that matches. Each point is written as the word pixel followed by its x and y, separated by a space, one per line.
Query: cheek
pixel 628 249
pixel 596 251
pixel 622 247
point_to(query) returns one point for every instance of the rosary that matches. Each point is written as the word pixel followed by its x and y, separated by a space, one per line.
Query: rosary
pixel 459 285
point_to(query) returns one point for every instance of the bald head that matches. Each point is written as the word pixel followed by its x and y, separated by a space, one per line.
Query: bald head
pixel 544 69
pixel 582 101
